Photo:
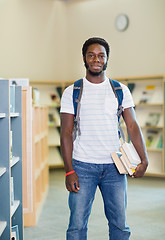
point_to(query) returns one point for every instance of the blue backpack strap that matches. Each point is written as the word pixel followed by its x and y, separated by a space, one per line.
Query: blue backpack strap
pixel 119 95
pixel 77 92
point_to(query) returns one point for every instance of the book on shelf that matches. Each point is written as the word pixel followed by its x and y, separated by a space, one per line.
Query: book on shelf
pixel 154 139
pixel 55 100
pixel 12 99
pixel 13 236
pixel 146 94
pixel 11 142
pixel 36 96
pixel 19 81
pixel 127 159
pixel 54 119
pixel 153 119
pixel 14 229
pixel 12 191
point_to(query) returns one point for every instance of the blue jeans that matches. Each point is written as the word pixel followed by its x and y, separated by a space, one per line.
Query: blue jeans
pixel 113 187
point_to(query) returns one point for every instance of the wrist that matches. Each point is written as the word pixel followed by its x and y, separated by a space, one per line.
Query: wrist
pixel 69 173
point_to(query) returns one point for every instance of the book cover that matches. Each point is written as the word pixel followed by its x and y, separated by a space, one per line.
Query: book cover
pixel 12 191
pixel 146 94
pixel 118 163
pixel 14 229
pixel 152 138
pixel 131 153
pixel 12 99
pixel 153 119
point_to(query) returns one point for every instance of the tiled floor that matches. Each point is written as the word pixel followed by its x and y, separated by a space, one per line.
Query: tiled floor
pixel 145 213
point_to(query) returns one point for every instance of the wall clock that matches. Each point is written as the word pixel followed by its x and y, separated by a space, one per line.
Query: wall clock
pixel 122 22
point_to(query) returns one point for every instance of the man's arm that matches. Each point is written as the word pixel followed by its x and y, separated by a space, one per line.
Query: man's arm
pixel 67 124
pixel 136 137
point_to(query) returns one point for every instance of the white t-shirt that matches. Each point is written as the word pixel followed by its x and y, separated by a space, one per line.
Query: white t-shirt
pixel 98 120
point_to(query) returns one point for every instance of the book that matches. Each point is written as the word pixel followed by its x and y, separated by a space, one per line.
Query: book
pixel 11 142
pixel 12 191
pixel 160 142
pixel 152 137
pixel 12 99
pixel 128 159
pixel 118 163
pixel 153 119
pixel 14 229
pixel 146 94
pixel 131 153
pixel 36 96
pixel 13 236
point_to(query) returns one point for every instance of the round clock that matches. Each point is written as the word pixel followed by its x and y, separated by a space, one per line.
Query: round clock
pixel 121 22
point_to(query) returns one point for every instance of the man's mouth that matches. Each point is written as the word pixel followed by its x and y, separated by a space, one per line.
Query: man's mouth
pixel 95 67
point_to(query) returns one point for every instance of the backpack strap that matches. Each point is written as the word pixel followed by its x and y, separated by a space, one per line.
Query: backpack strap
pixel 117 89
pixel 77 93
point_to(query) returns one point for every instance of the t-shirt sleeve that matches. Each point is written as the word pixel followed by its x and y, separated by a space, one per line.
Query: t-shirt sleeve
pixel 67 101
pixel 127 98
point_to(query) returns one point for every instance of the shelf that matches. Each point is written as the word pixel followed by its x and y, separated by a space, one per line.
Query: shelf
pixel 38 172
pixel 149 104
pixel 2 115
pixel 55 159
pixel 14 114
pixel 14 207
pixel 40 136
pixel 2 171
pixel 14 160
pixel 2 227
pixel 54 125
pixel 155 150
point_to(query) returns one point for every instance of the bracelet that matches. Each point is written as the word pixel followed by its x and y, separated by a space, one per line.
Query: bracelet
pixel 68 173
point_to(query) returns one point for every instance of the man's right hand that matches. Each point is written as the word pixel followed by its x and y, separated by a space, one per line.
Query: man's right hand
pixel 72 183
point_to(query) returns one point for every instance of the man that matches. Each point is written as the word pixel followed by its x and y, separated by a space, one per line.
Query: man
pixel 88 161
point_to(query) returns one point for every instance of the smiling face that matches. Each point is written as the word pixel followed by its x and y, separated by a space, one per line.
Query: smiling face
pixel 96 59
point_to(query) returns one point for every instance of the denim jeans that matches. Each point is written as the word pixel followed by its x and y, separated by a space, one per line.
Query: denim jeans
pixel 113 187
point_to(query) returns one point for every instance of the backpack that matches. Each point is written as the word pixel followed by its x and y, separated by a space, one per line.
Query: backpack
pixel 77 93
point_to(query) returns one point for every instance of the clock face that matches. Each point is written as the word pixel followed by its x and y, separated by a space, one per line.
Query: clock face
pixel 121 22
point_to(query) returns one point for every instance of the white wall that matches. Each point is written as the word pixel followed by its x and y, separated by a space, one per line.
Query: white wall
pixel 140 50
pixel 42 39
pixel 33 39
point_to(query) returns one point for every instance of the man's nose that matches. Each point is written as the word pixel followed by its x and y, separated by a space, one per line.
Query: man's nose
pixel 96 58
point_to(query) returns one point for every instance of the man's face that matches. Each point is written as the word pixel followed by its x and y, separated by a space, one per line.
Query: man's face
pixel 96 59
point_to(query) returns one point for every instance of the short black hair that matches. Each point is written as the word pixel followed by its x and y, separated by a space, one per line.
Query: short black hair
pixel 94 40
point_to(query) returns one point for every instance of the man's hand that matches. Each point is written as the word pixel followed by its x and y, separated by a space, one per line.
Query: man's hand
pixel 72 183
pixel 140 170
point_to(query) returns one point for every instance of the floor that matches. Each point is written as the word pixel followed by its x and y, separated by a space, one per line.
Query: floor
pixel 145 213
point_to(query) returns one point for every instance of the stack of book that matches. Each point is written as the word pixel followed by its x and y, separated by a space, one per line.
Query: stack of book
pixel 127 159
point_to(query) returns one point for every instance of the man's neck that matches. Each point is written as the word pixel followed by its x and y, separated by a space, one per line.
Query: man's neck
pixel 95 79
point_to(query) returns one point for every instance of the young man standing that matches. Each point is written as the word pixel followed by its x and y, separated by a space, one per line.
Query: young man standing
pixel 88 161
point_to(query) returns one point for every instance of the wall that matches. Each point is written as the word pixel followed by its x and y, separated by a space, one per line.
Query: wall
pixel 140 50
pixel 33 39
pixel 42 39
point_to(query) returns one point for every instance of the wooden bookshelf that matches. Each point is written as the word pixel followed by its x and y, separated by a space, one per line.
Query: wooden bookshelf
pixel 39 168
pixel 148 94
pixel 47 89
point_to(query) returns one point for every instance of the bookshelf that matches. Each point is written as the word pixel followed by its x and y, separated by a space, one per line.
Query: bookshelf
pixel 39 169
pixel 156 155
pixel 10 165
pixel 50 93
pixel 148 94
